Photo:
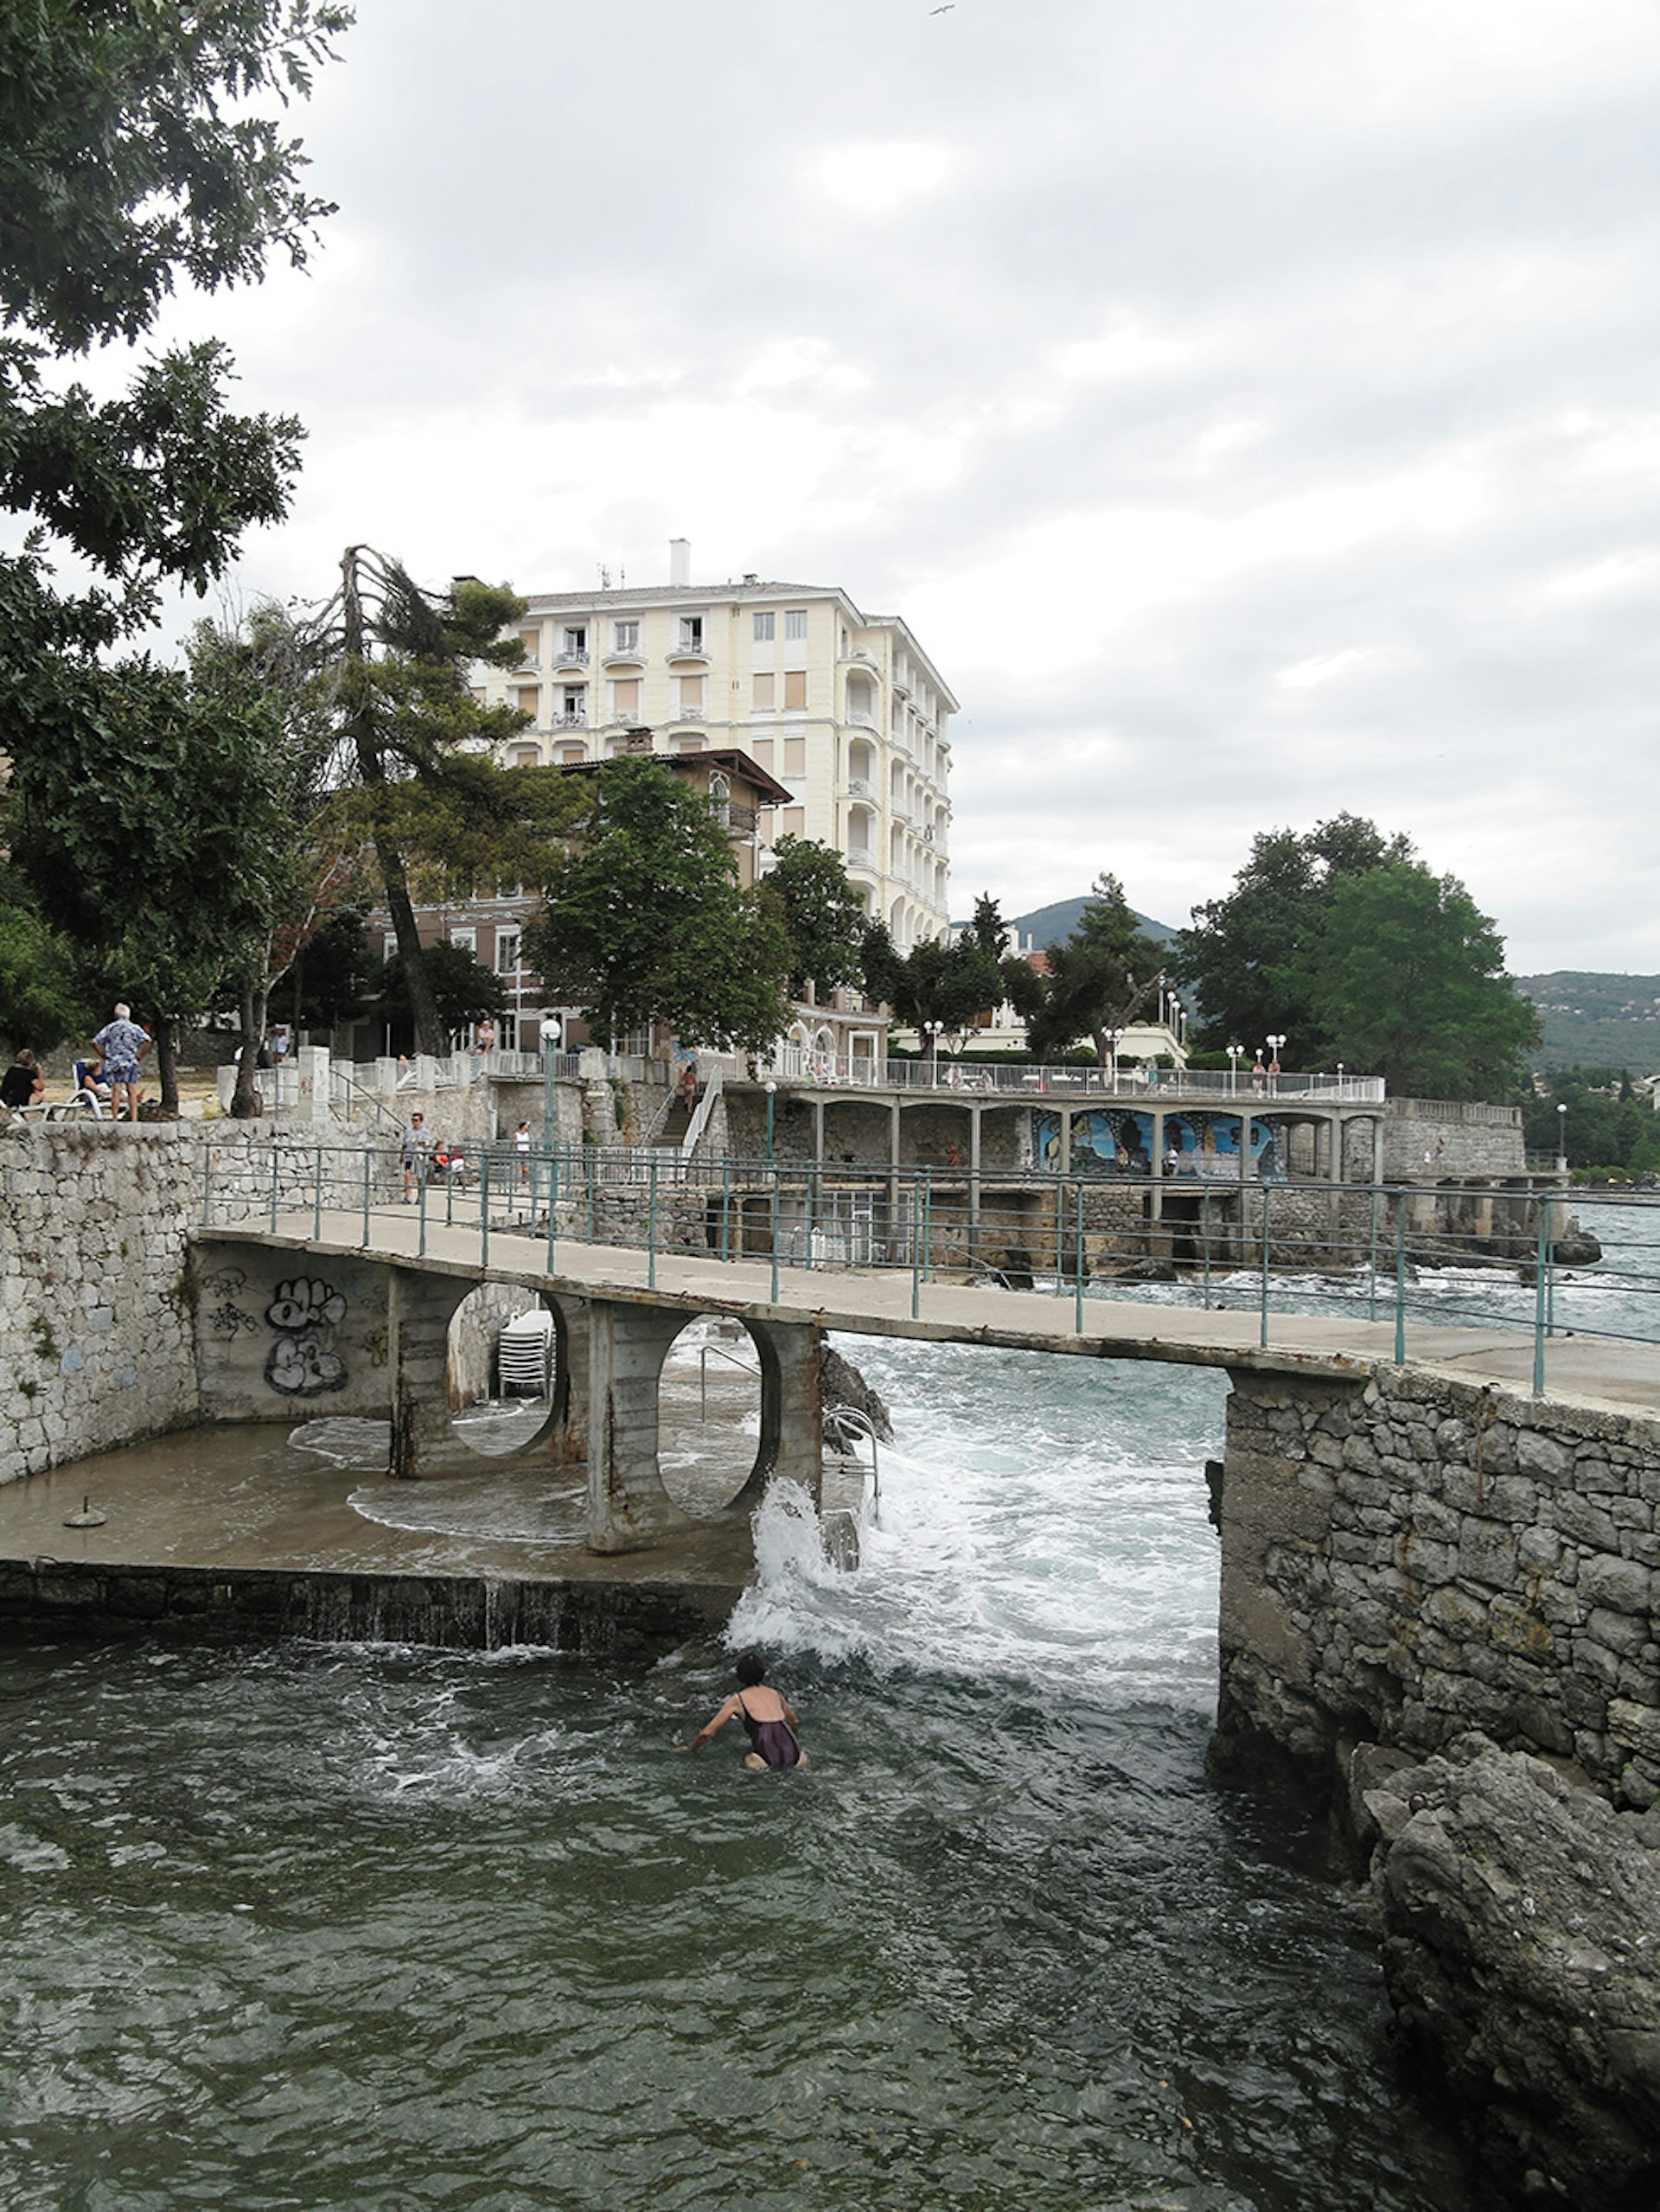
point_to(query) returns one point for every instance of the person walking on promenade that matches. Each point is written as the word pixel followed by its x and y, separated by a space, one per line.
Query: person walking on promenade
pixel 123 1045
pixel 417 1151
pixel 767 1717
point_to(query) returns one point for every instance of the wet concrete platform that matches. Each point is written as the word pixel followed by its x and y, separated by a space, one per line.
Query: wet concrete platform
pixel 241 1530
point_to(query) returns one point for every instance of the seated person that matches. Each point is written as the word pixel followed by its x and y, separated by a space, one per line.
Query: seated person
pixel 89 1080
pixel 23 1084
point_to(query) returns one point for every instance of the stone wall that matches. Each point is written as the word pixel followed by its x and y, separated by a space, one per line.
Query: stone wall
pixel 1448 1137
pixel 1407 1557
pixel 97 1343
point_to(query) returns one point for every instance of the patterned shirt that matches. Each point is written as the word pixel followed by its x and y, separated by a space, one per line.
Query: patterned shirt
pixel 120 1042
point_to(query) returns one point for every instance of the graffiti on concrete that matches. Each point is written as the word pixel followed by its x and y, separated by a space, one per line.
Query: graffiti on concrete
pixel 228 1319
pixel 306 1312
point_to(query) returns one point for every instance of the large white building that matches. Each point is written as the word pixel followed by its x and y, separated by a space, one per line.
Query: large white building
pixel 844 709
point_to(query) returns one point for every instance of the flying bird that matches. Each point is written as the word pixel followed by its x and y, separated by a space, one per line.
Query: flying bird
pixel 946 11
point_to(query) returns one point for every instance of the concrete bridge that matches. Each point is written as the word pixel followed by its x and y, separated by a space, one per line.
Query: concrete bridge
pixel 1410 1548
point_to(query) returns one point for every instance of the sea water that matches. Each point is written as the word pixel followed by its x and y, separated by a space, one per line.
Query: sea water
pixel 377 1929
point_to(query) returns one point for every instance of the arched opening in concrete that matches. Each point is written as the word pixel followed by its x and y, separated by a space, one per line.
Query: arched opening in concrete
pixel 710 1435
pixel 507 1369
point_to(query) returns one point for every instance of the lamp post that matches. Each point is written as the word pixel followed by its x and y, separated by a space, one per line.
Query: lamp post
pixel 1114 1038
pixel 1234 1053
pixel 1562 1137
pixel 553 1033
pixel 1274 1043
pixel 932 1030
pixel 772 1093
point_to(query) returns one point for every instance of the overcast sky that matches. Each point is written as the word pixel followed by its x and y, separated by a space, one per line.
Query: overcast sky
pixel 1250 403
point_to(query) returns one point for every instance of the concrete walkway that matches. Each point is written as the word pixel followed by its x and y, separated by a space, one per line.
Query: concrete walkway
pixel 1579 1370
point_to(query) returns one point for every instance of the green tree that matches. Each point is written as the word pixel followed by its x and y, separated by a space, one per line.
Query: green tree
pixel 465 991
pixel 1246 956
pixel 1099 980
pixel 822 914
pixel 157 838
pixel 1406 979
pixel 41 998
pixel 138 149
pixel 643 920
pixel 399 659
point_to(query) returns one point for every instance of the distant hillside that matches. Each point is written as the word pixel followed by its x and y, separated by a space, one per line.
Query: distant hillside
pixel 1050 925
pixel 1608 1021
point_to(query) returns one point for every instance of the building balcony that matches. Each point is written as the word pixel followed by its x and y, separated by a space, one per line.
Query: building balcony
pixel 571 656
pixel 570 720
pixel 857 788
pixel 625 656
pixel 689 714
pixel 683 652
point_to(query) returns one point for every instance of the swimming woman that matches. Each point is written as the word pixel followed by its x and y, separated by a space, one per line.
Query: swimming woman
pixel 767 1717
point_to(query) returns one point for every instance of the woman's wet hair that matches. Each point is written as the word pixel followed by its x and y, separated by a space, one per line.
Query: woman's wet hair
pixel 750 1668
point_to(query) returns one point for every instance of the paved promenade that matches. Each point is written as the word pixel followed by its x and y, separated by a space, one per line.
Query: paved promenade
pixel 1580 1370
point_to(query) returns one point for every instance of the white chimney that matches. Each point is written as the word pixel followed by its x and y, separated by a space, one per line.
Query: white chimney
pixel 680 560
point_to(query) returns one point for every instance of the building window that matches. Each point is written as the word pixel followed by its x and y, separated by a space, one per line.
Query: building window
pixel 531 641
pixel 573 703
pixel 576 640
pixel 761 751
pixel 628 637
pixel 528 700
pixel 764 693
pixel 689 744
pixel 691 694
pixel 507 952
pixel 525 756
pixel 691 633
pixel 467 938
pixel 625 698
pixel 795 621
pixel 764 628
pixel 570 754
pixel 794 690
pixel 794 756
pixel 795 822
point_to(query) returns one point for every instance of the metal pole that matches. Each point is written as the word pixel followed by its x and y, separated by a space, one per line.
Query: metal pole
pixel 206 1183
pixel 1372 1295
pixel 420 1172
pixel 1264 1187
pixel 273 1182
pixel 916 1252
pixel 726 1209
pixel 316 1199
pixel 651 1229
pixel 1400 1278
pixel 484 1209
pixel 1541 1262
pixel 1077 1303
pixel 552 1205
pixel 774 1236
pixel 368 1165
pixel 928 1223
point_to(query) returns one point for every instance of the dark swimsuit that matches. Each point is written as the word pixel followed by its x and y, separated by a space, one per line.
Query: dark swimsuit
pixel 774 1739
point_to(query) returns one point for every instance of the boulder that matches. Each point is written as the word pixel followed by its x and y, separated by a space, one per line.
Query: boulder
pixel 1521 1932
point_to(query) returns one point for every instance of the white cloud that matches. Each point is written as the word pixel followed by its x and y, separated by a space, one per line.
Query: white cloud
pixel 876 177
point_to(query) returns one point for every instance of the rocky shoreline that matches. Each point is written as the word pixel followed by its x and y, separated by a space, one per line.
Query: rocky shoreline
pixel 1518 1917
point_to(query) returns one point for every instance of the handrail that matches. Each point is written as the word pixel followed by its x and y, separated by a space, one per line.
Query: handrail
pixel 849 1417
pixel 732 1361
pixel 705 1105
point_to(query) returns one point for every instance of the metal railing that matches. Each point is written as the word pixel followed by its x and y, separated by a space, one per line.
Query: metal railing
pixel 1380 1253
pixel 1014 1079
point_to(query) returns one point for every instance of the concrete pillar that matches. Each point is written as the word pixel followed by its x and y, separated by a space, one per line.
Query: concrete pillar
pixel 629 1509
pixel 792 1410
pixel 419 1308
pixel 567 1431
pixel 1065 1161
pixel 316 1100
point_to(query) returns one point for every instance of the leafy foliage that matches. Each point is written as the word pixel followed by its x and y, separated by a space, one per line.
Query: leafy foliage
pixel 950 984
pixel 42 1001
pixel 643 920
pixel 464 990
pixel 1607 1124
pixel 1246 956
pixel 1098 980
pixel 1407 980
pixel 822 914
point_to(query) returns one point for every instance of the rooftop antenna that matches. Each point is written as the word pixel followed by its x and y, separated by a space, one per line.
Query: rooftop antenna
pixel 604 578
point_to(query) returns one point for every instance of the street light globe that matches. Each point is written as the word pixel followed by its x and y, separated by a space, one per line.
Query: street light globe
pixel 771 1088
pixel 552 1030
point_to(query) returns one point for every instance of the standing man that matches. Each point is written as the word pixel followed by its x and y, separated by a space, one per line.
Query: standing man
pixel 417 1151
pixel 123 1044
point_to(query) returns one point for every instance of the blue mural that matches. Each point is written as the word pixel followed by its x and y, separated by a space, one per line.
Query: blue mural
pixel 1118 1140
